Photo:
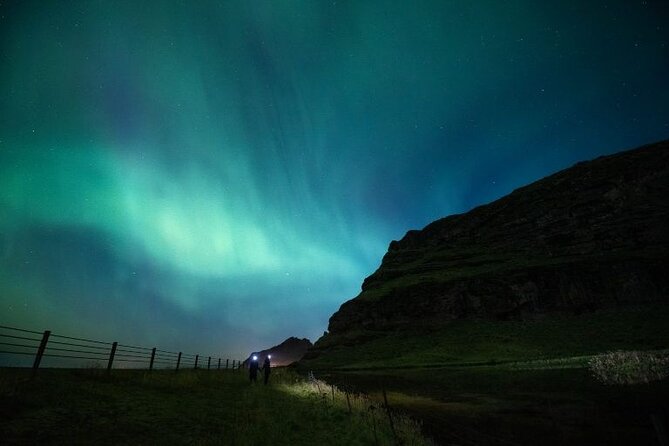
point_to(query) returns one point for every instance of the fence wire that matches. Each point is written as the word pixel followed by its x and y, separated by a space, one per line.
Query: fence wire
pixel 53 345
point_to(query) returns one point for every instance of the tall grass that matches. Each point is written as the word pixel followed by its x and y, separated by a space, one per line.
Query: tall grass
pixel 194 407
pixel 386 426
pixel 630 367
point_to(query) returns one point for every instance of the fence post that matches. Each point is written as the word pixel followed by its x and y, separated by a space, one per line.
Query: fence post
pixel 111 356
pixel 209 363
pixel 178 362
pixel 40 350
pixel 233 364
pixel 227 362
pixel 153 356
pixel 390 417
pixel 196 358
pixel 219 363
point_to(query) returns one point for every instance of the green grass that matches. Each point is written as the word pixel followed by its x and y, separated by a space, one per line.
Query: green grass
pixel 492 342
pixel 189 407
pixel 496 406
pixel 508 382
pixel 433 267
pixel 443 266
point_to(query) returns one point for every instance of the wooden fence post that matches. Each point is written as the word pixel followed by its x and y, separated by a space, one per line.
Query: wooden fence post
pixel 209 363
pixel 227 361
pixel 196 358
pixel 111 356
pixel 40 350
pixel 153 356
pixel 178 362
pixel 390 417
pixel 219 363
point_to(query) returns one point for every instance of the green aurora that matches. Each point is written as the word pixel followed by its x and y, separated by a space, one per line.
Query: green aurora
pixel 218 176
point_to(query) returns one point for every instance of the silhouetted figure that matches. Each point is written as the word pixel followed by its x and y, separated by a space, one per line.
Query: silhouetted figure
pixel 266 368
pixel 253 369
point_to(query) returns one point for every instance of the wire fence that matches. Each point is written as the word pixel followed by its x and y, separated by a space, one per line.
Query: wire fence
pixel 388 425
pixel 20 342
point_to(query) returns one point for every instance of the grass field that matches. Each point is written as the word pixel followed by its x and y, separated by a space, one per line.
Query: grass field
pixel 471 342
pixel 191 407
pixel 488 405
pixel 511 382
pixel 470 383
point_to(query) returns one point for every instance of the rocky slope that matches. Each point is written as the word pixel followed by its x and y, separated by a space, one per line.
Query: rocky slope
pixel 289 351
pixel 592 236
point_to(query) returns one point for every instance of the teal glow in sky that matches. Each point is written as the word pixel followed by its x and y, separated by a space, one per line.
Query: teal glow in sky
pixel 219 176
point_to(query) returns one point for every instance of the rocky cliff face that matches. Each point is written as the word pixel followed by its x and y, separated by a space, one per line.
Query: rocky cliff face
pixel 591 236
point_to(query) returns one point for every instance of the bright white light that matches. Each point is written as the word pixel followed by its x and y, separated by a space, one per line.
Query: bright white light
pixel 255 358
pixel 269 356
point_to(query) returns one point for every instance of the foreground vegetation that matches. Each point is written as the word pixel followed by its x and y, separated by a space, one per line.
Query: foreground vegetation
pixel 470 383
pixel 489 405
pixel 195 407
pixel 545 381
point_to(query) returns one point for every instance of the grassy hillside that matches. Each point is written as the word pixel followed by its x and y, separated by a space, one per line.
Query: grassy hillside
pixel 590 237
pixel 481 342
pixel 191 407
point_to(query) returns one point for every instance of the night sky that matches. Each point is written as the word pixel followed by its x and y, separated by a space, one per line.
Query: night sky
pixel 218 176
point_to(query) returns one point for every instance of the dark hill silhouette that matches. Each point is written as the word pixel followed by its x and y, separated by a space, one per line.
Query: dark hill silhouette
pixel 592 236
pixel 289 351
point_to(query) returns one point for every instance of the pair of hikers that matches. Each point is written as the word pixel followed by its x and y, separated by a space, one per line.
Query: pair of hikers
pixel 254 367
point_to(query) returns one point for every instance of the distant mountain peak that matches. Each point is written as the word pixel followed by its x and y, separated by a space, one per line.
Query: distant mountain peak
pixel 289 351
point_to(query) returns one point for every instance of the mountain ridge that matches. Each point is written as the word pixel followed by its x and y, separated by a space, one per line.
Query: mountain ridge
pixel 588 237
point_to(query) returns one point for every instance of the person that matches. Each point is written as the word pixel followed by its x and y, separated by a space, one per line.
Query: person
pixel 266 368
pixel 253 369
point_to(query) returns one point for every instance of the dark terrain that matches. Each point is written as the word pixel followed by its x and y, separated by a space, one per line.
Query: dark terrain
pixel 289 351
pixel 484 324
pixel 594 236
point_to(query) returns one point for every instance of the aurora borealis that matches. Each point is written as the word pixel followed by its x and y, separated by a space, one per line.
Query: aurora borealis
pixel 219 176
